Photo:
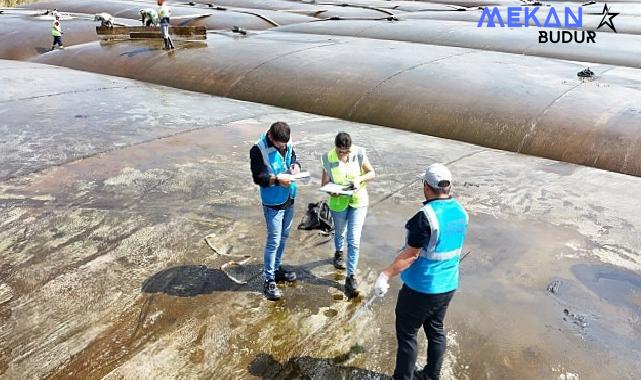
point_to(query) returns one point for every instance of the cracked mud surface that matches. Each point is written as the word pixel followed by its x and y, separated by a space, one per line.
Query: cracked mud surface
pixel 104 271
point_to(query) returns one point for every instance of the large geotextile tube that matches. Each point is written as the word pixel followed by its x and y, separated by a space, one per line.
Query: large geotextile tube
pixel 213 19
pixel 406 6
pixel 320 10
pixel 624 24
pixel 321 7
pixel 628 9
pixel 246 8
pixel 525 104
pixel 610 48
pixel 477 3
pixel 27 34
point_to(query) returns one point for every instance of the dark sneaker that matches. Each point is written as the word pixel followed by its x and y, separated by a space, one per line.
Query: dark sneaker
pixel 271 291
pixel 339 260
pixel 283 275
pixel 351 287
pixel 419 375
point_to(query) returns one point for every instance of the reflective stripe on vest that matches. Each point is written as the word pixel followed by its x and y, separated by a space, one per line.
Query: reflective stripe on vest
pixel 342 175
pixel 164 11
pixel 276 195
pixel 436 269
pixel 150 14
pixel 55 29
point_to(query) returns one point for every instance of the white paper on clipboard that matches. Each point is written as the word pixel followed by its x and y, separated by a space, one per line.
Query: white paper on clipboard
pixel 294 177
pixel 333 188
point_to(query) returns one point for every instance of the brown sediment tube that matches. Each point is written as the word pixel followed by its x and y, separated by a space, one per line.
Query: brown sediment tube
pixel 311 8
pixel 405 6
pixel 506 101
pixel 319 10
pixel 611 49
pixel 26 34
pixel 626 8
pixel 476 3
pixel 213 19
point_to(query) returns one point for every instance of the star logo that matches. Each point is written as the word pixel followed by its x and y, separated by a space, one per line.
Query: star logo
pixel 607 18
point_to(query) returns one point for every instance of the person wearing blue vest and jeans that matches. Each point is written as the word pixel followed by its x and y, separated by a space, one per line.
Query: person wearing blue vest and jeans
pixel 429 268
pixel 271 157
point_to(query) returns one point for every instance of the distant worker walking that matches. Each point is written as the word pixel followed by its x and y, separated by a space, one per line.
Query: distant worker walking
pixel 164 13
pixel 56 32
pixel 272 157
pixel 347 165
pixel 429 267
pixel 149 17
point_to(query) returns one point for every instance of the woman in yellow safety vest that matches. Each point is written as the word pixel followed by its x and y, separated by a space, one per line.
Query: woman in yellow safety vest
pixel 347 165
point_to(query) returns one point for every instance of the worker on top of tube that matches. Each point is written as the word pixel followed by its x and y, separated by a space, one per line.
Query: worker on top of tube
pixel 164 13
pixel 149 17
pixel 56 31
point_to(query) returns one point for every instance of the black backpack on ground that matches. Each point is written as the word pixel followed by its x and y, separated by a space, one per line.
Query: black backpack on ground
pixel 317 217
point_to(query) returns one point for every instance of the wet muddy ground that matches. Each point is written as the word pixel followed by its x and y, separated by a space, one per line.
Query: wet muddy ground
pixel 109 187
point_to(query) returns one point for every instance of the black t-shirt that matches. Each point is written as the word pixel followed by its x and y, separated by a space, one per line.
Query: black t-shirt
pixel 419 231
pixel 260 171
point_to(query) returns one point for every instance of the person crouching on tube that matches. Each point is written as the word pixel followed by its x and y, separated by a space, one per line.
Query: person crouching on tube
pixel 347 165
pixel 149 17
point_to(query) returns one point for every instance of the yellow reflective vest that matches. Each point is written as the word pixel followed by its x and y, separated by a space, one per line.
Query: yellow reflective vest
pixel 56 29
pixel 342 173
pixel 164 11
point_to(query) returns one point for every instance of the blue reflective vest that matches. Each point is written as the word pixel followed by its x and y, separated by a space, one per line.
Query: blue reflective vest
pixel 436 269
pixel 275 195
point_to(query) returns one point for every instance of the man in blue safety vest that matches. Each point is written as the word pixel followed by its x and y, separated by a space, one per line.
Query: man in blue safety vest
pixel 429 268
pixel 272 159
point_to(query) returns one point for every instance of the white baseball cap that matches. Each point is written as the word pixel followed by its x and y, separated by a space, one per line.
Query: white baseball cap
pixel 435 174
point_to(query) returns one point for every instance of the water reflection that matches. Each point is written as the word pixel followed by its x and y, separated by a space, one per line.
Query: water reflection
pixel 193 280
pixel 266 367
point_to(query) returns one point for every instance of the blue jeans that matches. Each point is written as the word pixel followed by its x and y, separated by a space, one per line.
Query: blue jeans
pixel 351 221
pixel 164 27
pixel 278 224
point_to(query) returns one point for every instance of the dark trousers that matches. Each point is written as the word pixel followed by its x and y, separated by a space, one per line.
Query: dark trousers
pixel 413 310
pixel 57 40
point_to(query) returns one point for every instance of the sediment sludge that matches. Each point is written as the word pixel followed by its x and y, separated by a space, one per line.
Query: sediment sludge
pixel 131 233
pixel 458 83
pixel 522 104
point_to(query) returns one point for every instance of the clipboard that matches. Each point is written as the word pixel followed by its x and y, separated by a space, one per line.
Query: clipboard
pixel 333 188
pixel 294 177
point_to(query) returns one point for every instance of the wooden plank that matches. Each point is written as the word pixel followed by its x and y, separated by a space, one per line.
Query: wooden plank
pixel 137 35
pixel 123 30
pixel 188 30
pixel 198 32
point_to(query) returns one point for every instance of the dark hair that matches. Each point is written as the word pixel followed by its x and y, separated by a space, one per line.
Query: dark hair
pixel 279 131
pixel 343 140
pixel 443 187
